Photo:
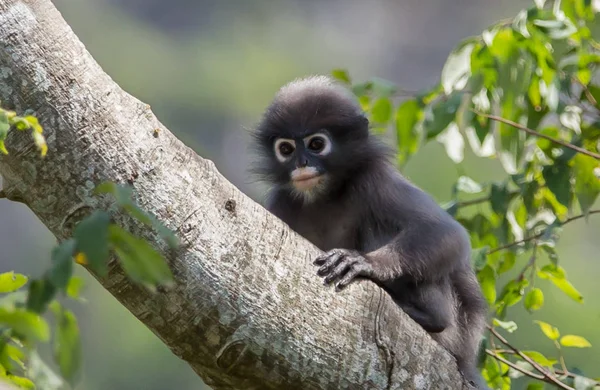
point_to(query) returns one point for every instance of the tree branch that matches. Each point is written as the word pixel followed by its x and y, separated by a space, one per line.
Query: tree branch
pixel 536 236
pixel 548 375
pixel 247 310
pixel 537 134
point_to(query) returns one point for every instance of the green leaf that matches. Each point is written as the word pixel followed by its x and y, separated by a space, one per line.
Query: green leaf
pixel 407 116
pixel 91 235
pixel 549 331
pixel 26 323
pixel 341 75
pixel 21 382
pixel 479 257
pixel 141 261
pixel 540 358
pixel 557 177
pixel 440 114
pixel 4 128
pixel 381 111
pixel 457 69
pixel 587 185
pixel 74 287
pixel 41 293
pixel 499 198
pixel 62 264
pixel 67 345
pixel 487 280
pixel 10 281
pixel 534 300
pixel 123 195
pixel 570 340
pixel 509 326
pixel 558 277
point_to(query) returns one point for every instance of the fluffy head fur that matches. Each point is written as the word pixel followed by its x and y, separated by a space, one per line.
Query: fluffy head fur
pixel 307 106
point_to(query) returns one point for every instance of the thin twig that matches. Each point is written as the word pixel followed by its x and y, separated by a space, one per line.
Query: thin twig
pixel 534 237
pixel 514 366
pixel 537 134
pixel 530 263
pixel 529 360
pixel 557 371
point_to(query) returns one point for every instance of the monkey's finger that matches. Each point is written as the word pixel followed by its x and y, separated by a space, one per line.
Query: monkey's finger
pixel 331 262
pixel 321 259
pixel 340 270
pixel 358 270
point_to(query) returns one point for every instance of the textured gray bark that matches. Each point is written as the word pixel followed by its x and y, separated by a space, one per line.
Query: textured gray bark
pixel 247 311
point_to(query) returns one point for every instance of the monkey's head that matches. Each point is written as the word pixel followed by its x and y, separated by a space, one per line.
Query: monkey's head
pixel 313 137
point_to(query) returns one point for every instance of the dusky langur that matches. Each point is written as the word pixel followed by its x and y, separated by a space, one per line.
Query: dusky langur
pixel 333 183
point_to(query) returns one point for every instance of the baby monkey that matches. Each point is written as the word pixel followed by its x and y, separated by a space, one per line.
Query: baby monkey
pixel 334 184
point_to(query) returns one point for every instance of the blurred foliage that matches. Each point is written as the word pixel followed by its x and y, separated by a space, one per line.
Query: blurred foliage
pixel 536 70
pixel 525 92
pixel 22 325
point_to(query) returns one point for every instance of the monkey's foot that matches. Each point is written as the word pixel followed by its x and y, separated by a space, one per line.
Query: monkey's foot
pixel 343 264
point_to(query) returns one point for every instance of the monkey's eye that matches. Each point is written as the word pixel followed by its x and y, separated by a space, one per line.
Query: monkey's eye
pixel 284 149
pixel 318 143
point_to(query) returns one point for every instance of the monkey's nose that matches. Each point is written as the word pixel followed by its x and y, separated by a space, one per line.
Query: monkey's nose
pixel 301 162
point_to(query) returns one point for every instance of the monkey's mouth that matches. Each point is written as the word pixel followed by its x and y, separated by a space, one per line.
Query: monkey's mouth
pixel 305 180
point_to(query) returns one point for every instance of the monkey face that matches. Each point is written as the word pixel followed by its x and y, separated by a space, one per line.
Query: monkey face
pixel 303 158
pixel 312 138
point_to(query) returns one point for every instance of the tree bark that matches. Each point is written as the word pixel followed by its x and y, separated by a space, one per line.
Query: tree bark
pixel 247 310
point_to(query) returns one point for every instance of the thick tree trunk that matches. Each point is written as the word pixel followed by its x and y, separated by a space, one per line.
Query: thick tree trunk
pixel 247 311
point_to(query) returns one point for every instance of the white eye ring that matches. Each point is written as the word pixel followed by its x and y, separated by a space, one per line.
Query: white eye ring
pixel 277 147
pixel 326 149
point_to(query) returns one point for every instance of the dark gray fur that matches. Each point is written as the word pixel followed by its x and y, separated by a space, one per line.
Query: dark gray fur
pixel 372 222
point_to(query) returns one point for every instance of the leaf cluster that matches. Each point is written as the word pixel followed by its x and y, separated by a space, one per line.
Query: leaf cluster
pixel 526 93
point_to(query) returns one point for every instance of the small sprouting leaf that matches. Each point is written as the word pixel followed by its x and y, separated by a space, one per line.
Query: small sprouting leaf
pixel 341 75
pixel 141 261
pixel 550 331
pixel 479 257
pixel 67 345
pixel 62 264
pixel 453 142
pixel 570 340
pixel 381 111
pixel 74 287
pixel 467 185
pixel 91 235
pixel 41 292
pixel 457 69
pixel 509 326
pixel 10 281
pixel 534 300
pixel 571 118
pixel 487 280
pixel 540 358
pixel 407 116
pixel 26 323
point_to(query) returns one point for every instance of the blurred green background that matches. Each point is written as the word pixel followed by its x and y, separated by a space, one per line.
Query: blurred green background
pixel 208 69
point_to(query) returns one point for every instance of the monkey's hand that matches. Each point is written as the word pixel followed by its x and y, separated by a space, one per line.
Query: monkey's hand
pixel 343 264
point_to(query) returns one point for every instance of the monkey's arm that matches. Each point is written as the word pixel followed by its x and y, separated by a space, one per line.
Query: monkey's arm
pixel 430 243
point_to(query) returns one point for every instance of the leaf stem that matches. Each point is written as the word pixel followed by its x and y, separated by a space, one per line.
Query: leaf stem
pixel 537 134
